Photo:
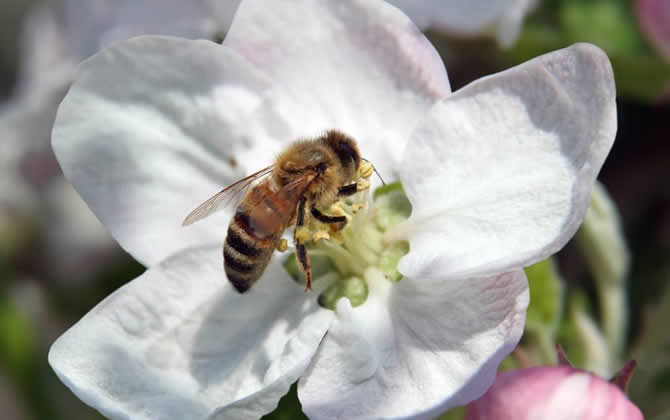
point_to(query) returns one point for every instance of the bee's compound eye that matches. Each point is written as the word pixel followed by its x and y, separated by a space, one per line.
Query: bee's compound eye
pixel 321 167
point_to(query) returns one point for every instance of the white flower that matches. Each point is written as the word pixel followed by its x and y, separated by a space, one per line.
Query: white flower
pixel 498 175
pixel 56 38
pixel 500 19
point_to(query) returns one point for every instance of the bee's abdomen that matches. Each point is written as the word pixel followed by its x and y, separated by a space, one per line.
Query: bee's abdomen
pixel 245 257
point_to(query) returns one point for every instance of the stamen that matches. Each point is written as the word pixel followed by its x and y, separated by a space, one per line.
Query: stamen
pixel 347 252
pixel 375 170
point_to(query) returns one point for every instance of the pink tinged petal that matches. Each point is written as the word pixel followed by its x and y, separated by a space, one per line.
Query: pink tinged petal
pixel 360 66
pixel 552 393
pixel 654 16
pixel 154 126
pixel 501 19
pixel 500 173
pixel 415 348
pixel 179 343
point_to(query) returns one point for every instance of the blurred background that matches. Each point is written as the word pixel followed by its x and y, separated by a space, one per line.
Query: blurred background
pixel 605 297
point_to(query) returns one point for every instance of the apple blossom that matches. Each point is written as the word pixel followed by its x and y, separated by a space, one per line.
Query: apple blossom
pixel 498 176
pixel 499 19
pixel 56 37
pixel 552 393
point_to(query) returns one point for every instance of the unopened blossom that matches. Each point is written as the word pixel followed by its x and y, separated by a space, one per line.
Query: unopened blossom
pixel 552 393
pixel 654 17
pixel 500 20
pixel 497 176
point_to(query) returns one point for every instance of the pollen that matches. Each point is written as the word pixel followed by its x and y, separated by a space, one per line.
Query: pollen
pixel 319 235
pixel 339 208
pixel 282 246
pixel 343 255
pixel 363 185
pixel 303 234
pixel 365 170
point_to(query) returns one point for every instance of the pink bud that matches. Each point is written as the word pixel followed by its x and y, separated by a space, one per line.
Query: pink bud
pixel 552 393
pixel 654 18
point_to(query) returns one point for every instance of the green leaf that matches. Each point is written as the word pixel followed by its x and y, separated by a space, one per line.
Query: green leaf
pixel 584 343
pixel 457 413
pixel 650 385
pixel 17 344
pixel 640 73
pixel 546 296
pixel 289 407
pixel 604 23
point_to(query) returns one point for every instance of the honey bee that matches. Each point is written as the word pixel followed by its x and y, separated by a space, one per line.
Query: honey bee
pixel 309 175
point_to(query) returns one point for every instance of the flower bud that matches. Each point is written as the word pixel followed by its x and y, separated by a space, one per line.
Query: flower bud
pixel 654 16
pixel 552 393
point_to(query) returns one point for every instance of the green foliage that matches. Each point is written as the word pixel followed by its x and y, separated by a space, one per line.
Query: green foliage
pixel 568 334
pixel 610 24
pixel 605 23
pixel 453 414
pixel 546 296
pixel 289 407
pixel 16 340
pixel 650 385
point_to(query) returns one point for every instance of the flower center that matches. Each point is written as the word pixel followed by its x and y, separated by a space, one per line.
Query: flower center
pixel 345 261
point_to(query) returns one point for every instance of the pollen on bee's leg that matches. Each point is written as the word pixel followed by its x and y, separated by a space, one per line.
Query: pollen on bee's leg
pixel 337 209
pixel 302 234
pixel 282 246
pixel 320 234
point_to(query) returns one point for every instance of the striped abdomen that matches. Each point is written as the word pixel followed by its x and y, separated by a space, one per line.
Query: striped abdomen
pixel 255 231
pixel 245 256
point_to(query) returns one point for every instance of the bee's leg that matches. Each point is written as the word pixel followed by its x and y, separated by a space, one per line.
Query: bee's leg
pixel 340 221
pixel 347 190
pixel 301 251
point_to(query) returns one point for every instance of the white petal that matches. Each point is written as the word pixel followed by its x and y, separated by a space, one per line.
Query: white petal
pixel 414 348
pixel 179 343
pixel 501 19
pixel 358 65
pixel 154 126
pixel 500 173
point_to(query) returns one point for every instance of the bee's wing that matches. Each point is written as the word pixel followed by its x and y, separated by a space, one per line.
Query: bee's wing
pixel 225 196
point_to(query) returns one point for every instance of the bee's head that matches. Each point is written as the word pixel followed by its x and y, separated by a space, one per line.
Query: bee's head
pixel 345 149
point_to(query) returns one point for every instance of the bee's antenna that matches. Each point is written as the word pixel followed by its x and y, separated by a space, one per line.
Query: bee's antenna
pixel 375 169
